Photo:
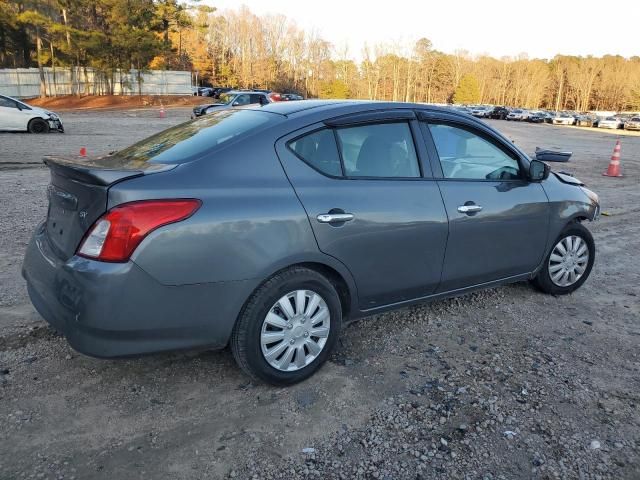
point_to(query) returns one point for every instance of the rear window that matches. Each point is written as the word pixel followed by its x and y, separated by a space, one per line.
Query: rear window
pixel 188 141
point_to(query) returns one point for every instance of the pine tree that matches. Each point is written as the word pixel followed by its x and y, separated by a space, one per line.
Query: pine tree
pixel 467 90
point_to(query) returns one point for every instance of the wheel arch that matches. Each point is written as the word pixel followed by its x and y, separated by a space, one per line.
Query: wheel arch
pixel 33 119
pixel 332 269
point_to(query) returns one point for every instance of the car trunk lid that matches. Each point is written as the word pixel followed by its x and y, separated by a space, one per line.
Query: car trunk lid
pixel 77 198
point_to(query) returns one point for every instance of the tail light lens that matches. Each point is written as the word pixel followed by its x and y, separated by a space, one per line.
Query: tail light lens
pixel 115 235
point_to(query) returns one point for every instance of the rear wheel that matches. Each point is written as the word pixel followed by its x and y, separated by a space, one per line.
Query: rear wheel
pixel 38 125
pixel 288 327
pixel 569 263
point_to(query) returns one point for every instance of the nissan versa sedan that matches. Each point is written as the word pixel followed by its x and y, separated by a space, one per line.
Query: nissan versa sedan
pixel 266 228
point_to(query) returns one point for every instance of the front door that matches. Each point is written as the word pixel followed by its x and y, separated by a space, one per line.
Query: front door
pixel 11 117
pixel 370 206
pixel 498 220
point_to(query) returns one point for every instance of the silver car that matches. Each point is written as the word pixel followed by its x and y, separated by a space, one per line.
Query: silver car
pixel 266 228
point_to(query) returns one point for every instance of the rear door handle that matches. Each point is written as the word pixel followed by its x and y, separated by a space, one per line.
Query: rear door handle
pixel 335 217
pixel 469 208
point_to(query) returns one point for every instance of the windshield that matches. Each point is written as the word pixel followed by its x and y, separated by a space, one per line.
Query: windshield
pixel 188 141
pixel 225 98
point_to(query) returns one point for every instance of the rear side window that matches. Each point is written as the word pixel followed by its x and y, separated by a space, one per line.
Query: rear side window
pixel 257 98
pixel 383 150
pixel 319 150
pixel 465 155
pixel 378 150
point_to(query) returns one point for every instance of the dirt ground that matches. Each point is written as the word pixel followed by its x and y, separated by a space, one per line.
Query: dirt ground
pixel 502 384
pixel 99 132
pixel 72 102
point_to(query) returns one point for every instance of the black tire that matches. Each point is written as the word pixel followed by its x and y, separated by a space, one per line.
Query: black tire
pixel 543 280
pixel 38 125
pixel 245 338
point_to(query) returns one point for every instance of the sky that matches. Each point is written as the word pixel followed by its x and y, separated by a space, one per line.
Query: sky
pixel 539 28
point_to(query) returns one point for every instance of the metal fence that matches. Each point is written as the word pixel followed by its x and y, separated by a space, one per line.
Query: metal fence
pixel 25 82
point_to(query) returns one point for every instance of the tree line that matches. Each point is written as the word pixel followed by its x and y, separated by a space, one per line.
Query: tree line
pixel 241 49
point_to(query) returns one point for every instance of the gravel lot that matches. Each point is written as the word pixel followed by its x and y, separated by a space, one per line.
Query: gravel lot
pixel 501 384
pixel 99 132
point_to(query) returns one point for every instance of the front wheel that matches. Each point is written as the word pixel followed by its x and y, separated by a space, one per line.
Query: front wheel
pixel 37 125
pixel 288 327
pixel 569 263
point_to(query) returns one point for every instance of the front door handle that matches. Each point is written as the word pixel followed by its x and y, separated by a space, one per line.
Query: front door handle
pixel 335 217
pixel 469 208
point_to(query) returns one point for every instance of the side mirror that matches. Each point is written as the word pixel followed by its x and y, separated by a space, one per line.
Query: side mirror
pixel 538 171
pixel 235 104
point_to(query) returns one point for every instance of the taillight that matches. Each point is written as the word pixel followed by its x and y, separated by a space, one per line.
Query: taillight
pixel 115 235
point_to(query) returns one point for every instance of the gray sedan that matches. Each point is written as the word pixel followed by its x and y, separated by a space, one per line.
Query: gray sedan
pixel 266 228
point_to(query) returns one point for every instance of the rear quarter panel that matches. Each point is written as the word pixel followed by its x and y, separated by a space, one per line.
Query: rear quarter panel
pixel 250 221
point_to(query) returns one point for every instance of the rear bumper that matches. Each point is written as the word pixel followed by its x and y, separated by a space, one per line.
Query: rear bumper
pixel 117 310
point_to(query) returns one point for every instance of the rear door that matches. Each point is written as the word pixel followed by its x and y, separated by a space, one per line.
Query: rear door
pixel 369 204
pixel 498 220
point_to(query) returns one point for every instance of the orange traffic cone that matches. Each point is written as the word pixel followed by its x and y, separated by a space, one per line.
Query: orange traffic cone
pixel 163 114
pixel 83 151
pixel 614 164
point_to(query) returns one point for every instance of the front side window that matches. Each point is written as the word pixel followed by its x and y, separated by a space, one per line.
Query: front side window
pixel 319 150
pixel 241 100
pixel 378 150
pixel 465 155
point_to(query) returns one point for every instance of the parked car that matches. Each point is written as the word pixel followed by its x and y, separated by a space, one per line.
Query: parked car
pixel 536 117
pixel 217 91
pixel 611 122
pixel 632 124
pixel 549 116
pixel 17 116
pixel 563 119
pixel 288 97
pixel 481 111
pixel 202 91
pixel 266 228
pixel 461 109
pixel 587 120
pixel 517 114
pixel 232 99
pixel 499 113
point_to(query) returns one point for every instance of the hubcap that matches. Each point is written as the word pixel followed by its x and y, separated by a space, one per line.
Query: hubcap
pixel 568 261
pixel 295 330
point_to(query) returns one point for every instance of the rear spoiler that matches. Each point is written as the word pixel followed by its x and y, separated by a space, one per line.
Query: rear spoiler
pixel 97 175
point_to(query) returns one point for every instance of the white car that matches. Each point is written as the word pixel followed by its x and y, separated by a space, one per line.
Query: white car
pixel 632 124
pixel 610 122
pixel 518 114
pixel 17 116
pixel 563 119
pixel 481 111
